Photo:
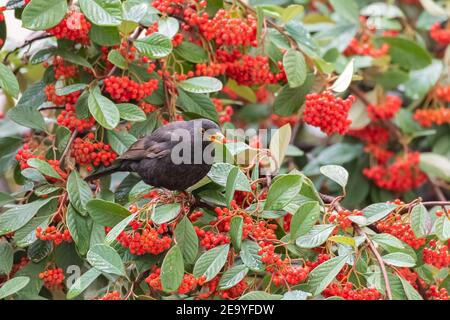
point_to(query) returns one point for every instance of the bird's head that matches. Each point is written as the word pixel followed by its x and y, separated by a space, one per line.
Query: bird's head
pixel 210 131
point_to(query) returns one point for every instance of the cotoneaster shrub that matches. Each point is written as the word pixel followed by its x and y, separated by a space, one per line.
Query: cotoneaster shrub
pixel 357 92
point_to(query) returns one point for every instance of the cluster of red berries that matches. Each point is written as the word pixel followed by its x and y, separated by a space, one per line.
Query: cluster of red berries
pixel 87 152
pixel 249 70
pixel 371 134
pixel 379 153
pixel 53 278
pixel 443 93
pixel 439 34
pixel 342 217
pixel 401 176
pixel 229 31
pixel 63 69
pixel 114 295
pixel 24 154
pixel 154 279
pixel 437 254
pixel 434 293
pixel 364 46
pixel 74 27
pixel 188 284
pixel 71 98
pixel 428 117
pixel 209 239
pixel 348 293
pixel 402 231
pixel 194 216
pixel 328 112
pixel 147 107
pixel 51 233
pixel 68 118
pixel 210 70
pixel 409 276
pixel 145 240
pixel 124 89
pixel 386 110
pixel 225 112
pixel 289 274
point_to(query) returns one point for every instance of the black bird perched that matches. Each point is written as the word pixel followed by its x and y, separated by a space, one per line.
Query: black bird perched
pixel 172 157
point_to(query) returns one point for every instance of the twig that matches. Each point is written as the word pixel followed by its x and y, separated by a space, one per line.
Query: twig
pixel 26 43
pixel 66 150
pixel 439 194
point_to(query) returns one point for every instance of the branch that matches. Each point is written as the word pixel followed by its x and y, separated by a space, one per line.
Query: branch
pixel 26 43
pixel 66 150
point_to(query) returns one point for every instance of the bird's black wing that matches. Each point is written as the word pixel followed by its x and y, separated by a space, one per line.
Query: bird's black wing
pixel 154 146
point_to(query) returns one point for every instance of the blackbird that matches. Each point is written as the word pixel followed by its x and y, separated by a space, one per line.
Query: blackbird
pixel 156 157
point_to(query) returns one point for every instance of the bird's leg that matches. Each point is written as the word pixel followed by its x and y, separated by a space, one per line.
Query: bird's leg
pixel 167 195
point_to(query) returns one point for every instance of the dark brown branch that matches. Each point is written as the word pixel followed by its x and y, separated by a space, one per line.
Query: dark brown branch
pixel 67 149
pixel 26 43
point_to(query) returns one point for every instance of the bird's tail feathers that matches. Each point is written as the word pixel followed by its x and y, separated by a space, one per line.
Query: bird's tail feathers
pixel 114 167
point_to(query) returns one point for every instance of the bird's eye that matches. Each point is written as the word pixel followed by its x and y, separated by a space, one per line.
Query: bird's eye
pixel 202 131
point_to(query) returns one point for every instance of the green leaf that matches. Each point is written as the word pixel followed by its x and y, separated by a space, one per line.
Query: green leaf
pixel 105 259
pixel 104 36
pixel 323 274
pixel 187 239
pixel 106 213
pixel 406 53
pixel 6 258
pixel 79 228
pixel 347 9
pixel 316 236
pixel 13 286
pixel 435 165
pixel 345 78
pixel 377 211
pixel 70 89
pixel 165 213
pixel 172 269
pixel 336 173
pixel 18 216
pixel 211 262
pixel 421 81
pixel 289 100
pixel 131 112
pixel 260 295
pixel 295 67
pixel 168 26
pixel 410 292
pixel 296 295
pixel 103 110
pixel 191 52
pixel 39 250
pixel 304 219
pixel 349 241
pixel 43 167
pixel 26 115
pixel 120 141
pixel 82 283
pixel 250 256
pixel 116 58
pixel 236 225
pixel 43 14
pixel 385 239
pixel 197 105
pixel 8 81
pixel 442 228
pixel 421 222
pixel 79 192
pixel 230 187
pixel 155 46
pixel 278 147
pixel 232 277
pixel 399 259
pixel 282 191
pixel 118 228
pixel 102 12
pixel 201 85
pixel 220 172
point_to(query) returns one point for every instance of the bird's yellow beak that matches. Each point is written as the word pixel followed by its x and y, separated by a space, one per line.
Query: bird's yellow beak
pixel 218 137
